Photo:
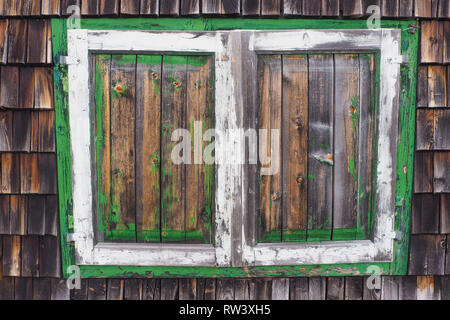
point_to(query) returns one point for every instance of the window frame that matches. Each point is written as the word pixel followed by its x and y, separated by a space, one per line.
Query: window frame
pixel 394 262
pixel 83 42
pixel 380 248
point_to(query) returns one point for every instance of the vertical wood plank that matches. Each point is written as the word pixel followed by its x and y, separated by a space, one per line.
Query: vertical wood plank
pixel 442 172
pixel 132 289
pixel 367 129
pixel 129 7
pixel 169 7
pixel 422 8
pixel 299 289
pixel 446 27
pixel 9 87
pixel 89 7
pixel 123 153
pixel 292 7
pixel 109 7
pixel 295 146
pixel 431 41
pixel 270 119
pixel 270 7
pixel 51 215
pixel 225 290
pixel 335 288
pixel 425 129
pixel 444 9
pixel 445 220
pixel 34 135
pixel 18 215
pixel 354 288
pixel 65 4
pixel 47 173
pixel 320 142
pixel 37 41
pixel 27 84
pixel 49 257
pixel 60 292
pixel 423 172
pixel 23 289
pixel 389 8
pixel 422 86
pixel 346 131
pixel 311 7
pixel 148 144
pixel 102 99
pixel 437 86
pixel 4 214
pixel 21 131
pixel 30 256
pixel 442 130
pixel 251 7
pixel 390 287
pixel 150 7
pixel 317 289
pixel 188 289
pixel 11 180
pixel 6 131
pixel 96 289
pixel 174 86
pixel 353 8
pixel 36 215
pixel 4 41
pixel 425 214
pixel 427 255
pixel 405 8
pixel 46 131
pixel 31 7
pixel 190 7
pixel 199 176
pixel 11 256
pixel 169 289
pixel 331 8
pixel 114 289
pixel 50 7
pixel 280 289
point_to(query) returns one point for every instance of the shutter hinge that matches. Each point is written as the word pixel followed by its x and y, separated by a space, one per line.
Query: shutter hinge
pixel 68 60
pixel 74 237
pixel 397 235
pixel 403 60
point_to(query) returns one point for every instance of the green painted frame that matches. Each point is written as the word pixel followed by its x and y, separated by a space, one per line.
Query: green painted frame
pixel 405 146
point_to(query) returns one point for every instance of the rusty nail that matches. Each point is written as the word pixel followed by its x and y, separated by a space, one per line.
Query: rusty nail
pixel 298 123
pixel 119 88
pixel 300 179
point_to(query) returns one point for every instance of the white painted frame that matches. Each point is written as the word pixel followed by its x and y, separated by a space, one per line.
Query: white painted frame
pixel 230 194
pixel 380 249
pixel 80 43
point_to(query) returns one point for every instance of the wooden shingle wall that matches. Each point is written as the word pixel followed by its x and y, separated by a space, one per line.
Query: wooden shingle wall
pixel 29 244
